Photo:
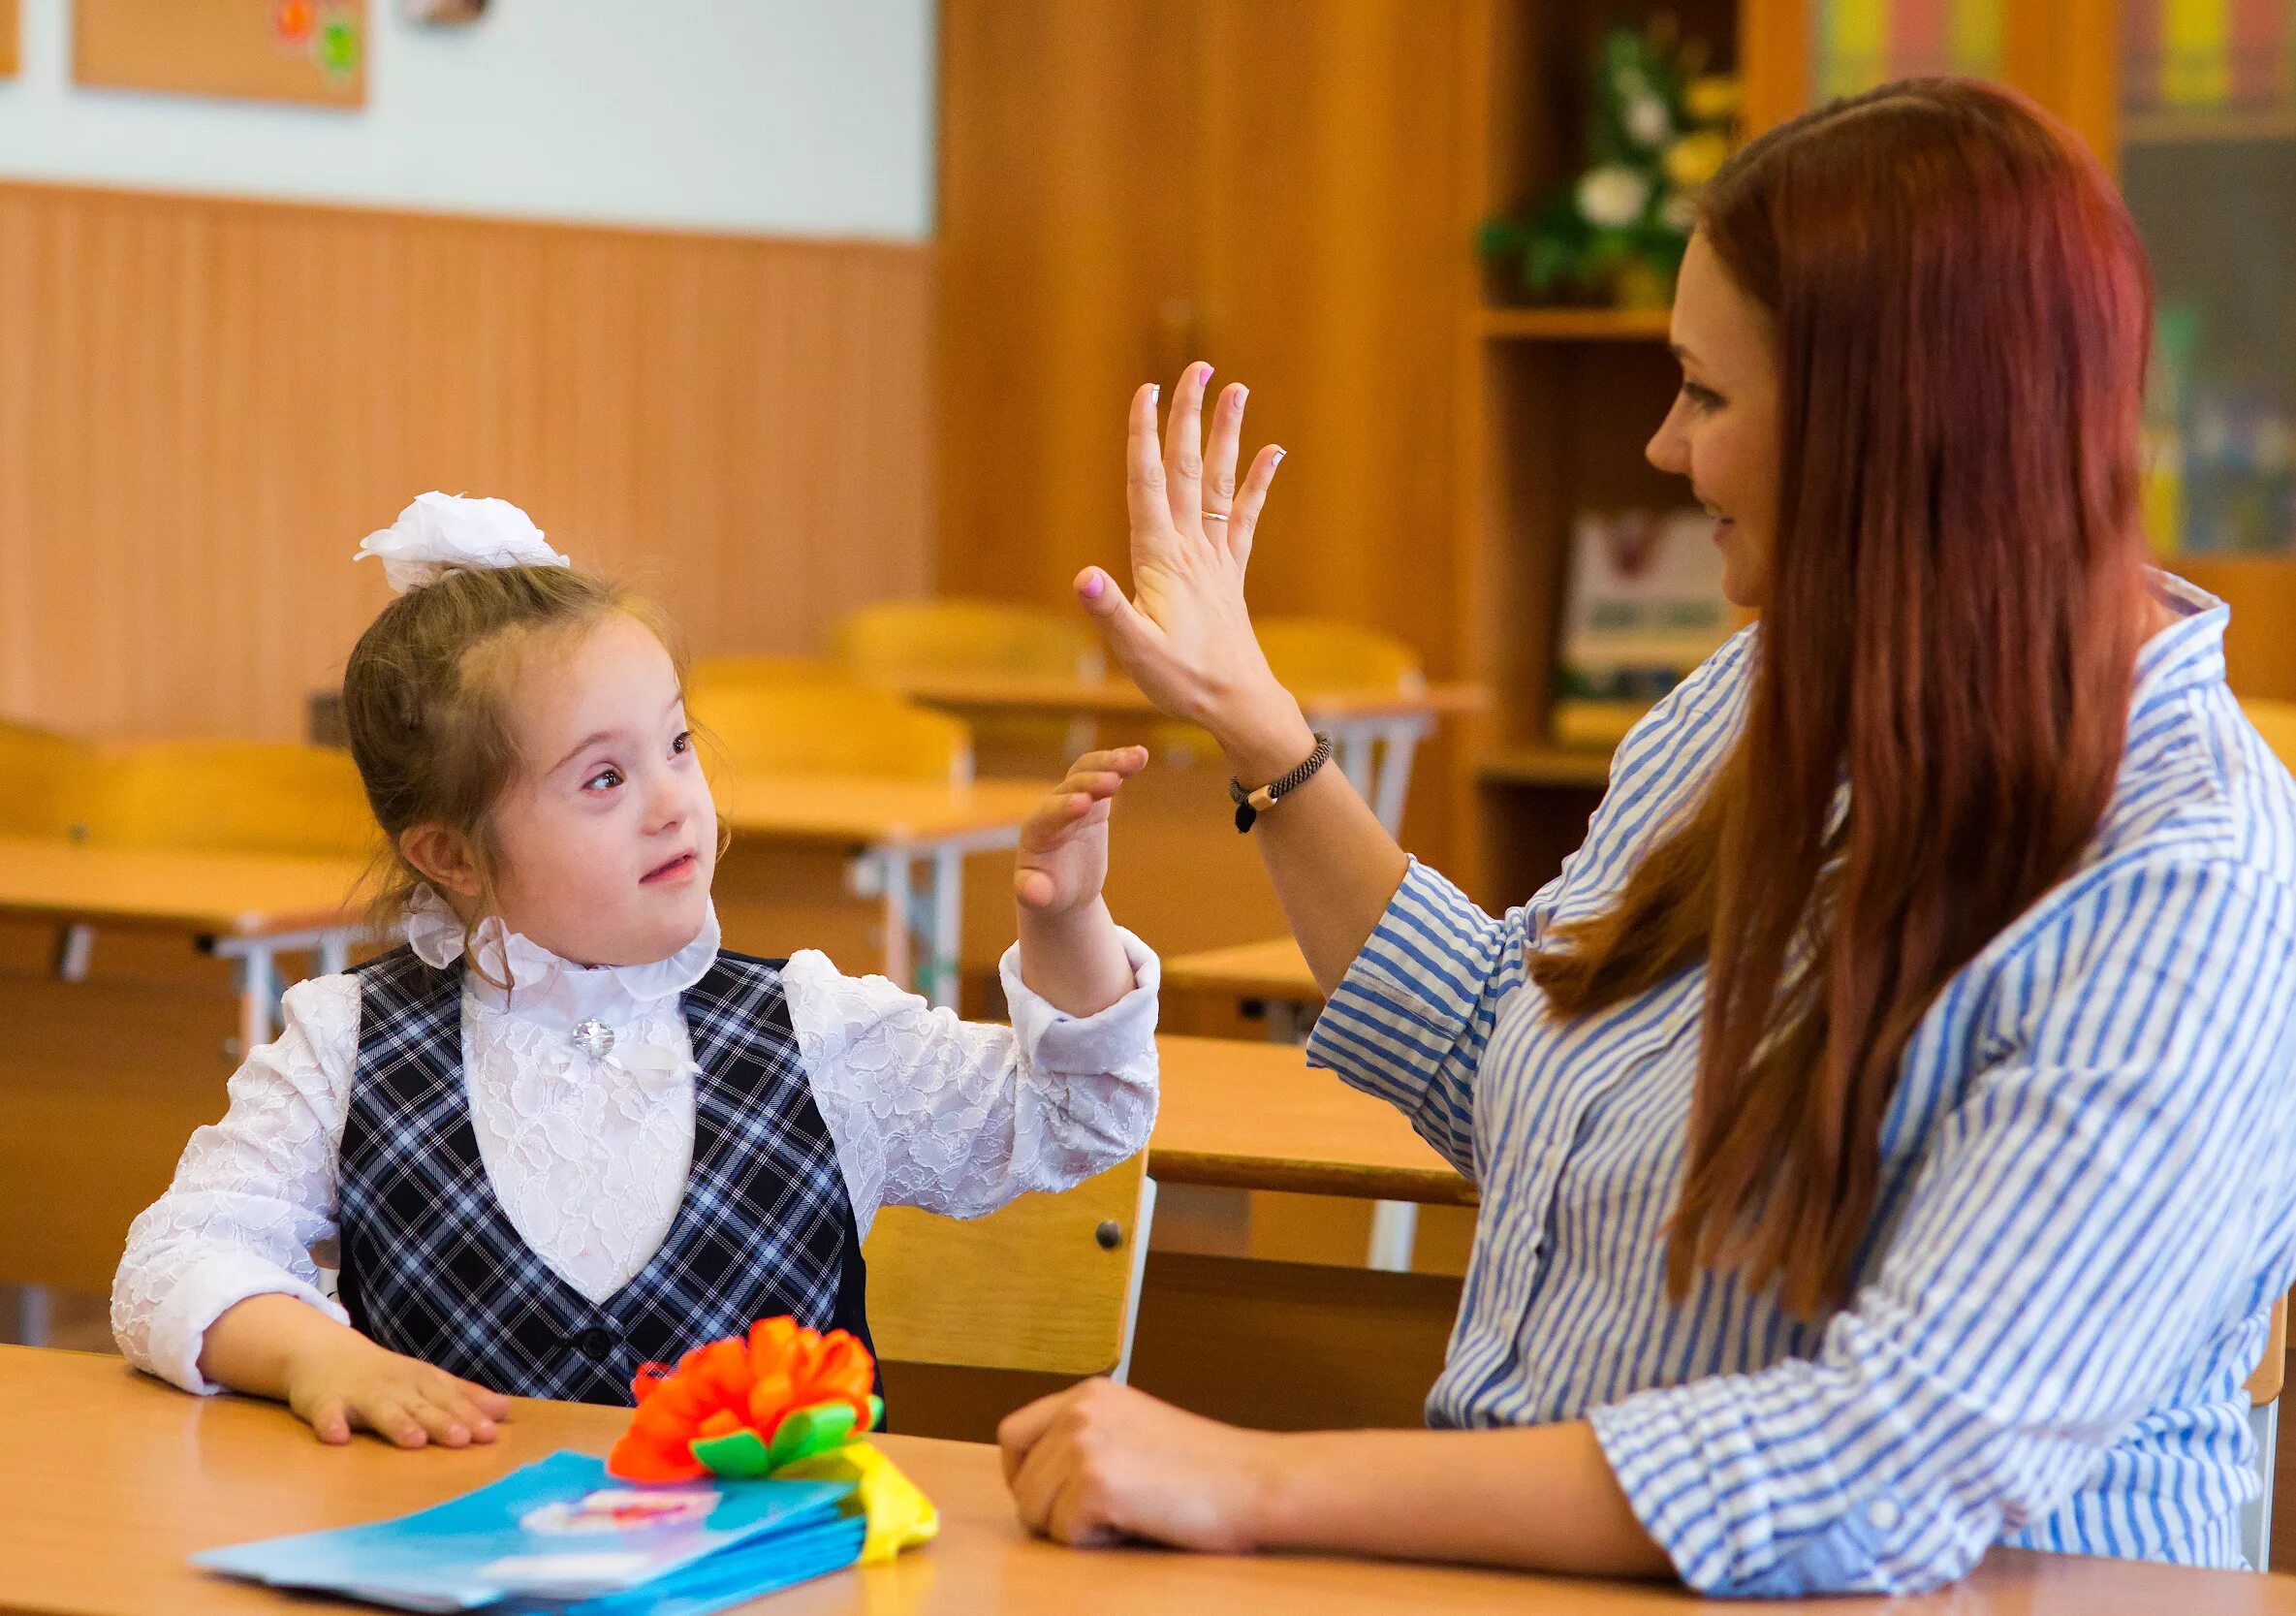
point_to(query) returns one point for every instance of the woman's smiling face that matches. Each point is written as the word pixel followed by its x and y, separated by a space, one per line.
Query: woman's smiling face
pixel 1722 431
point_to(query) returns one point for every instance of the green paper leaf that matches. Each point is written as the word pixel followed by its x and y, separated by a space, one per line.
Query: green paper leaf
pixel 739 1456
pixel 812 1430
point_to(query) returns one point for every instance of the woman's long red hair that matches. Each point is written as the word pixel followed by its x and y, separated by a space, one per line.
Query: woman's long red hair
pixel 1956 600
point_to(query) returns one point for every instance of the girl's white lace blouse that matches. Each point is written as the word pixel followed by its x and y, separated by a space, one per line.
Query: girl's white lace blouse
pixel 588 1155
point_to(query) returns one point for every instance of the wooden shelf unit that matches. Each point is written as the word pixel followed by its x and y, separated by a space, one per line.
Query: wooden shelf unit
pixel 1554 407
pixel 2208 126
pixel 1574 325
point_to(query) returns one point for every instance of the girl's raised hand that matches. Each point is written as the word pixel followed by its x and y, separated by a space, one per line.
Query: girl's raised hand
pixel 1064 856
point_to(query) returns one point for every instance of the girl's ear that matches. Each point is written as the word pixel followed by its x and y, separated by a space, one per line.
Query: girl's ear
pixel 444 856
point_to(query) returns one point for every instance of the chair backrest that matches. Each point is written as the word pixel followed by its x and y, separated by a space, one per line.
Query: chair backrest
pixel 2276 721
pixel 829 728
pixel 1321 654
pixel 1048 1283
pixel 47 779
pixel 711 677
pixel 897 639
pixel 232 795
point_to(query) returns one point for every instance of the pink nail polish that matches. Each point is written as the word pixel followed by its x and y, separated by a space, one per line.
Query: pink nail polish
pixel 1279 454
pixel 1092 587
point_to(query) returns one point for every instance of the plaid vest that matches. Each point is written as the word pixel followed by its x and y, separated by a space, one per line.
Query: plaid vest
pixel 432 1266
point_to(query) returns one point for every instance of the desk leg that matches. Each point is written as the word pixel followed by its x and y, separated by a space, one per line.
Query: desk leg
pixel 1393 783
pixel 259 986
pixel 890 870
pixel 1395 1231
pixel 945 917
pixel 1353 749
pixel 33 1315
pixel 75 946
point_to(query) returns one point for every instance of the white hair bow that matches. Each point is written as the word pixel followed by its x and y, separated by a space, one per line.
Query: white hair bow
pixel 443 530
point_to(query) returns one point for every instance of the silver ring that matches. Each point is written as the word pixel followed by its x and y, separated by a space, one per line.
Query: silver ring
pixel 1215 515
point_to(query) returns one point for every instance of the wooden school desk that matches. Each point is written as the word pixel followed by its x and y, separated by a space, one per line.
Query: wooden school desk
pixel 1373 733
pixel 109 1481
pixel 1252 1116
pixel 1276 973
pixel 249 908
pixel 892 827
pixel 1273 972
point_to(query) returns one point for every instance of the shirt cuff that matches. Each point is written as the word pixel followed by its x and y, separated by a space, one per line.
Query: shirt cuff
pixel 1701 1479
pixel 1051 1040
pixel 204 1292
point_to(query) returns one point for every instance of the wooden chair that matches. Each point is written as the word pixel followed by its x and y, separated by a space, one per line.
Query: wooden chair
pixel 230 795
pixel 1321 654
pixel 1311 655
pixel 1049 1283
pixel 898 641
pixel 712 677
pixel 829 728
pixel 49 777
pixel 894 639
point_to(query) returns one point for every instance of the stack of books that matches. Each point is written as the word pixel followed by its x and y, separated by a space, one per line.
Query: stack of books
pixel 562 1536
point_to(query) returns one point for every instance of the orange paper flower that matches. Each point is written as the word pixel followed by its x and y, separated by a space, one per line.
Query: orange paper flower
pixel 733 1385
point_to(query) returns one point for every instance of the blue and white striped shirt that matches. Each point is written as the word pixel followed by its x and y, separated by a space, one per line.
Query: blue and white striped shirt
pixel 2088 1203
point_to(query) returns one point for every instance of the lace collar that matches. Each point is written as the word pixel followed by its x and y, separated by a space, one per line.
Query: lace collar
pixel 546 989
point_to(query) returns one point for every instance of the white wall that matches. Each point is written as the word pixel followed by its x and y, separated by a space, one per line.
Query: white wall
pixel 781 116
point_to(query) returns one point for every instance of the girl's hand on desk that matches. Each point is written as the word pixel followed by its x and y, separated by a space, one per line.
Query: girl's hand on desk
pixel 1185 636
pixel 1063 857
pixel 1101 1462
pixel 344 1382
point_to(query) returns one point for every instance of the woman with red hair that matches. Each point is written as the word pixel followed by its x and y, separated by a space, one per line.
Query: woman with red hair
pixel 1886 1124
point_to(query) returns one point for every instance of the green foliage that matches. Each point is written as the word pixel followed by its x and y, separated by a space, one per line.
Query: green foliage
pixel 1656 129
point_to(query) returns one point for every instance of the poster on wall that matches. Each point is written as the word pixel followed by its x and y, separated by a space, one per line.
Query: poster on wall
pixel 8 24
pixel 302 51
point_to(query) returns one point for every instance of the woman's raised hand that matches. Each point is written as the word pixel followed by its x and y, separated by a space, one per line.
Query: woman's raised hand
pixel 1186 635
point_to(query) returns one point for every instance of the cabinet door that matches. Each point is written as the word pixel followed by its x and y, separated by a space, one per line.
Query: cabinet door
pixel 1333 252
pixel 1267 184
pixel 1066 244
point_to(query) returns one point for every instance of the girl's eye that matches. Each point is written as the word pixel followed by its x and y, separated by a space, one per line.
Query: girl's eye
pixel 684 741
pixel 1702 397
pixel 604 780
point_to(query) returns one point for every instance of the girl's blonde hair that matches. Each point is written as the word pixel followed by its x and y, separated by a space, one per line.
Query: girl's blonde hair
pixel 425 701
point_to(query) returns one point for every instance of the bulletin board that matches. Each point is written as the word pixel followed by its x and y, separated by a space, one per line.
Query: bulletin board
pixel 303 51
pixel 8 30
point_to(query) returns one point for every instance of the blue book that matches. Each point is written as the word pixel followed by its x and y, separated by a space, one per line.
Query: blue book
pixel 563 1535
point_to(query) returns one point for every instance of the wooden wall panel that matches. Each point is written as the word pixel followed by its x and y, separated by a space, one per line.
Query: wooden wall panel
pixel 205 405
pixel 1271 185
pixel 1267 184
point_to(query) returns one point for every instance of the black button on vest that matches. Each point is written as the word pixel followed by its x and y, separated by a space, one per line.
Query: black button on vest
pixel 433 1268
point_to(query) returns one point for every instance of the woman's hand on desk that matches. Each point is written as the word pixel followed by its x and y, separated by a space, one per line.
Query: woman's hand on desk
pixel 1100 1462
pixel 1185 636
